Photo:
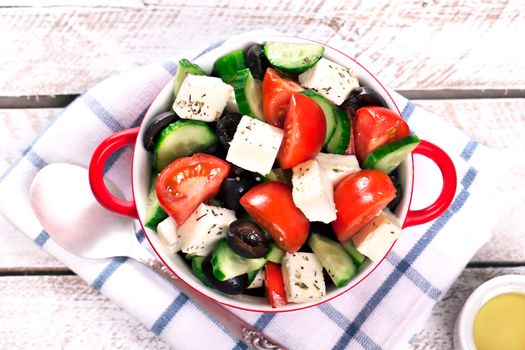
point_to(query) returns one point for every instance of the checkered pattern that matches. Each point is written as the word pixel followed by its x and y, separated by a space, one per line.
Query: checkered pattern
pixel 383 312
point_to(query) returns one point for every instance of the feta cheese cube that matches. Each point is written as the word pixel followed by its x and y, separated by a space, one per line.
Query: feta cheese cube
pixel 201 231
pixel 255 145
pixel 167 231
pixel 303 277
pixel 231 104
pixel 201 98
pixel 337 166
pixel 313 192
pixel 331 80
pixel 376 238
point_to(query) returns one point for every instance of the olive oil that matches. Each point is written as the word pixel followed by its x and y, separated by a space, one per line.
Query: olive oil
pixel 500 323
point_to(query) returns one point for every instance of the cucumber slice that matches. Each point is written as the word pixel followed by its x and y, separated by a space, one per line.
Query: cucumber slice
pixel 292 58
pixel 388 157
pixel 341 138
pixel 196 265
pixel 329 113
pixel 216 202
pixel 334 258
pixel 252 274
pixel 228 264
pixel 275 254
pixel 248 94
pixel 354 253
pixel 225 67
pixel 185 67
pixel 181 139
pixel 154 212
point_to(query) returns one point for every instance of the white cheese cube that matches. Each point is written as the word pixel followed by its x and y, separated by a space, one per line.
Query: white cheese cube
pixel 331 80
pixel 303 277
pixel 337 166
pixel 167 231
pixel 376 238
pixel 201 98
pixel 313 192
pixel 258 280
pixel 255 145
pixel 231 104
pixel 201 231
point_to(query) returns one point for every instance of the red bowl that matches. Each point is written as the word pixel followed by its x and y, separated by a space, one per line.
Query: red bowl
pixel 141 172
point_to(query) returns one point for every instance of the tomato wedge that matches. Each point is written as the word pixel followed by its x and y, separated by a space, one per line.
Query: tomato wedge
pixel 188 182
pixel 359 197
pixel 276 96
pixel 274 282
pixel 271 205
pixel 376 126
pixel 351 145
pixel 304 131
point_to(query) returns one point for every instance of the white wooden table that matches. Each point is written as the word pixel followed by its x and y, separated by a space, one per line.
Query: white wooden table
pixel 459 59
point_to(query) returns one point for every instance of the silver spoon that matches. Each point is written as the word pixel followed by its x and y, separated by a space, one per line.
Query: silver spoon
pixel 65 206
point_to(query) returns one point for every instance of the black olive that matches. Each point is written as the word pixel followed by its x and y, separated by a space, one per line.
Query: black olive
pixel 255 292
pixel 226 127
pixel 323 229
pixel 236 171
pixel 216 150
pixel 256 61
pixel 399 192
pixel 155 126
pixel 235 285
pixel 328 279
pixel 362 97
pixel 233 188
pixel 247 239
pixel 186 258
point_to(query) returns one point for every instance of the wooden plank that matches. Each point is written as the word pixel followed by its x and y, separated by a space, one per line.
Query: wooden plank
pixel 36 101
pixel 62 312
pixel 63 100
pixel 497 123
pixel 408 45
pixel 448 94
pixel 438 332
pixel 71 3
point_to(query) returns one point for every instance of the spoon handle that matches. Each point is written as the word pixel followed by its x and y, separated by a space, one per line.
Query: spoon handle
pixel 250 335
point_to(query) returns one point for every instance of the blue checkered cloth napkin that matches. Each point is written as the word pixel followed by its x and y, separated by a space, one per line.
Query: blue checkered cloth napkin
pixel 383 312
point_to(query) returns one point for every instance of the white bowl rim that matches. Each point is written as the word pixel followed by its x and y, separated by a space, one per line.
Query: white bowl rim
pixel 140 179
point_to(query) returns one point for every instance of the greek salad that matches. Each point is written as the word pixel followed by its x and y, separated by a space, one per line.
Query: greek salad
pixel 275 175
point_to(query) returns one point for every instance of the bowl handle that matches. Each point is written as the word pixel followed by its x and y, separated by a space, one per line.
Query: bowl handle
pixel 448 173
pixel 96 172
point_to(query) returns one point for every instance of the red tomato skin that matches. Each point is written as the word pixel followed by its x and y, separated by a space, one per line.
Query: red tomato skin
pixel 351 145
pixel 375 127
pixel 276 92
pixel 304 132
pixel 180 201
pixel 359 197
pixel 271 206
pixel 274 284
